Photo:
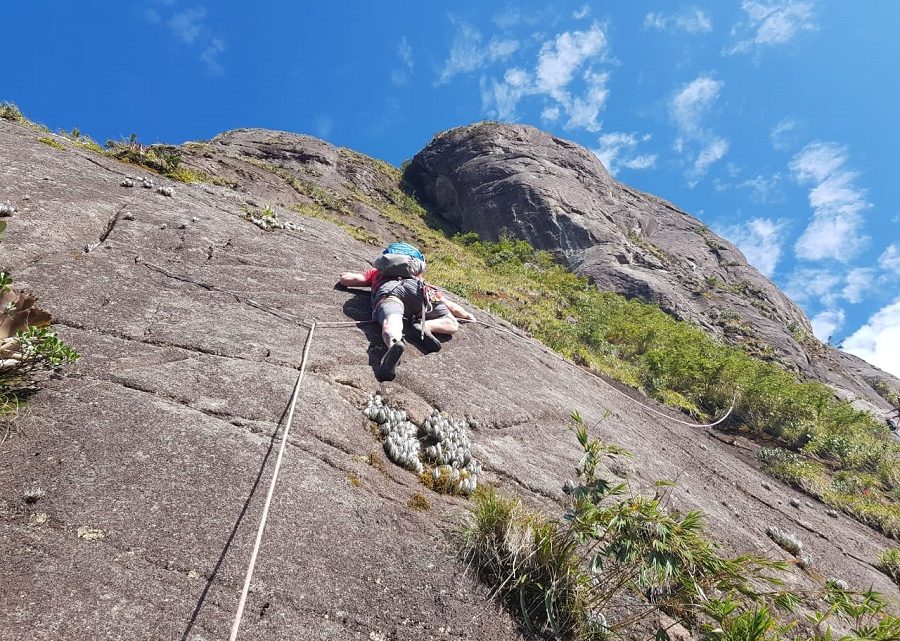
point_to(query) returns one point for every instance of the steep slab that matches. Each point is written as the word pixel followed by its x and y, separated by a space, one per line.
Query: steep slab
pixel 156 449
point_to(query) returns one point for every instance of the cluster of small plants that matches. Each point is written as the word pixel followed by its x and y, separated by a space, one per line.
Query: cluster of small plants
pixel 27 344
pixel 438 450
pixel 267 219
pixel 615 560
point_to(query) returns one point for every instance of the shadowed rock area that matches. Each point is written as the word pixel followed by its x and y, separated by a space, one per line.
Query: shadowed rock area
pixel 156 449
pixel 493 178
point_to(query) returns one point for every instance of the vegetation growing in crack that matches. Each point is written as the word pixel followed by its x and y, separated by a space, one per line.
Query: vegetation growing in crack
pixel 28 349
pixel 617 560
pixel 52 142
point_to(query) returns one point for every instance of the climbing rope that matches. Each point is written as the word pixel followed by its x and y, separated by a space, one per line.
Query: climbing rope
pixel 265 512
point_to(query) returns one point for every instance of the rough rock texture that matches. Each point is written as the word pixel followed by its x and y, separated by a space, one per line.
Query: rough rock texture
pixel 156 449
pixel 493 178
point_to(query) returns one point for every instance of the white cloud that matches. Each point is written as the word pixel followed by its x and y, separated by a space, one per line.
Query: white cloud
pixel 772 23
pixel 617 150
pixel 713 152
pixel 764 189
pixel 400 75
pixel 210 55
pixel 691 103
pixel 503 97
pixel 878 341
pixel 826 323
pixel 550 114
pixel 564 72
pixel 889 261
pixel 688 108
pixel 584 110
pixel 835 230
pixel 814 285
pixel 857 283
pixel 687 19
pixel 187 25
pixel 558 60
pixel 783 134
pixel 760 240
pixel 583 12
pixel 468 53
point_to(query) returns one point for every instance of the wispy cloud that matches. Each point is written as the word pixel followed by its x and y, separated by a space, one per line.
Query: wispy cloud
pixel 618 150
pixel 400 74
pixel 826 323
pixel 550 114
pixel 564 73
pixel 784 134
pixel 814 285
pixel 878 341
pixel 835 230
pixel 857 283
pixel 771 23
pixel 889 261
pixel 189 24
pixel 763 189
pixel 583 12
pixel 687 19
pixel 561 58
pixel 688 109
pixel 470 53
pixel 692 102
pixel 760 240
pixel 191 28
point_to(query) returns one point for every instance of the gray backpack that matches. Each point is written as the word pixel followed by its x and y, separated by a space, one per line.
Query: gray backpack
pixel 399 266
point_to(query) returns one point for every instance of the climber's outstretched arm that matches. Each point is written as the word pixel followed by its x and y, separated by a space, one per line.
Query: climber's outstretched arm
pixel 353 279
pixel 457 311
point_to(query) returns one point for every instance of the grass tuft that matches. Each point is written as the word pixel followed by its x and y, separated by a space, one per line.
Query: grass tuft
pixel 419 503
pixel 52 142
pixel 889 563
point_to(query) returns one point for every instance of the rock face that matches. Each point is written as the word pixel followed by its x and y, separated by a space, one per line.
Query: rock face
pixel 492 179
pixel 155 451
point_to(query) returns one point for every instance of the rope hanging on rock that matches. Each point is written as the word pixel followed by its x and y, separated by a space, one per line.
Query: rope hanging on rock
pixel 265 513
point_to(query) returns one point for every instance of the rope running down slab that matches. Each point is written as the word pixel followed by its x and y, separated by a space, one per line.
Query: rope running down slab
pixel 265 512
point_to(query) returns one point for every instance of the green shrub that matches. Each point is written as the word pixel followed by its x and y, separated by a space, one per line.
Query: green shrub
pixel 590 574
pixel 161 159
pixel 614 562
pixel 9 111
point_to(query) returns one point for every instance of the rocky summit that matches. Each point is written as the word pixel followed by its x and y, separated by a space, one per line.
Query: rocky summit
pixel 493 179
pixel 146 464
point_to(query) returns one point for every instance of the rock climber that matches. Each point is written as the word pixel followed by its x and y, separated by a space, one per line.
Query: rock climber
pixel 399 290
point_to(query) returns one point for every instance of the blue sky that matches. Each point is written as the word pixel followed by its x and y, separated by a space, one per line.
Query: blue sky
pixel 773 121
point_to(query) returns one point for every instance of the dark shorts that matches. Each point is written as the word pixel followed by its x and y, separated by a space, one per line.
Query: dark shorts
pixel 405 300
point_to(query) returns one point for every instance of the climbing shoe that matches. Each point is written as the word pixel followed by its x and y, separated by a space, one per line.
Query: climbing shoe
pixel 429 341
pixel 388 369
